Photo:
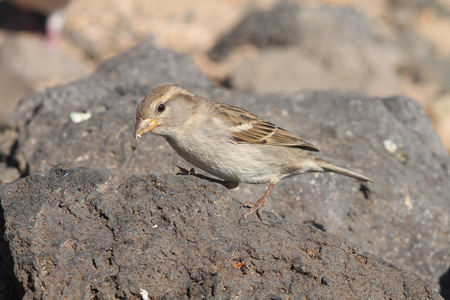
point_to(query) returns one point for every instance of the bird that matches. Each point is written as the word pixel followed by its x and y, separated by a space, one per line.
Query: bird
pixel 228 142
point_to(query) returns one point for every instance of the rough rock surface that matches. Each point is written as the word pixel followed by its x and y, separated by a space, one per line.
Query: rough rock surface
pixel 72 234
pixel 403 217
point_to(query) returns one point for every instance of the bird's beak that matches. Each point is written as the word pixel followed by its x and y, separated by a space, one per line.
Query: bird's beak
pixel 144 126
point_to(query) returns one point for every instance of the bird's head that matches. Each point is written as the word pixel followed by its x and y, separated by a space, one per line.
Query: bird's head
pixel 164 110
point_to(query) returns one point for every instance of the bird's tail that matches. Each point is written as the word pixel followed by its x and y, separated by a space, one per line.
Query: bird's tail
pixel 333 168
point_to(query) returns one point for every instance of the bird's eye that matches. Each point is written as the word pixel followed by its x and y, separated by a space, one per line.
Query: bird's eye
pixel 161 107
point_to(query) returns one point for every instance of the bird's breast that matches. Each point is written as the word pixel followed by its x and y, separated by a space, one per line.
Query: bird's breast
pixel 229 161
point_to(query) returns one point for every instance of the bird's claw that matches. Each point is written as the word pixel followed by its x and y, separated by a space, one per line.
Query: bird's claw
pixel 254 206
pixel 248 204
pixel 182 171
pixel 259 213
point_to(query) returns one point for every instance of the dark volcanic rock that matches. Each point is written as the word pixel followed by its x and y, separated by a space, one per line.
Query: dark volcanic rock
pixel 110 96
pixel 72 234
pixel 403 217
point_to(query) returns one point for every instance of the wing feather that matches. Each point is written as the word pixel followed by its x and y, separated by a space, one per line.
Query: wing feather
pixel 249 128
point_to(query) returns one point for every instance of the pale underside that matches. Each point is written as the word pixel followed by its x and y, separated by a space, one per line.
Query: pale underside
pixel 255 151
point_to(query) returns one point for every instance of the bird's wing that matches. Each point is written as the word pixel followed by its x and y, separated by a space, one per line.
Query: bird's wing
pixel 246 127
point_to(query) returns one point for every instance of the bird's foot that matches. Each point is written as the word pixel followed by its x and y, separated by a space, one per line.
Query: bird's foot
pixel 254 206
pixel 181 171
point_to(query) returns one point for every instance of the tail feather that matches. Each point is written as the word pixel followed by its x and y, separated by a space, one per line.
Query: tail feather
pixel 333 168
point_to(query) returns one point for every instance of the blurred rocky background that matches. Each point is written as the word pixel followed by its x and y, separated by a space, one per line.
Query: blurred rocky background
pixel 366 54
pixel 380 47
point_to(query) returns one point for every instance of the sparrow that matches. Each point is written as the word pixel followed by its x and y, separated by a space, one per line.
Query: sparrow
pixel 227 141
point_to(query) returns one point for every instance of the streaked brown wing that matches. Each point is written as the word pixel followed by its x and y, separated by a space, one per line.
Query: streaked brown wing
pixel 249 128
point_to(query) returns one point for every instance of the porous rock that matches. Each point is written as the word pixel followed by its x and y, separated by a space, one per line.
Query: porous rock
pixel 72 234
pixel 403 217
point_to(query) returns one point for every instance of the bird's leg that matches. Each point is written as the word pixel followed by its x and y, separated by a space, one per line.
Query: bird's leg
pixel 258 205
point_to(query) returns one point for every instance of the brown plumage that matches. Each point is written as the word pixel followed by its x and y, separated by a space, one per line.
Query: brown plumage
pixel 227 141
pixel 249 128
